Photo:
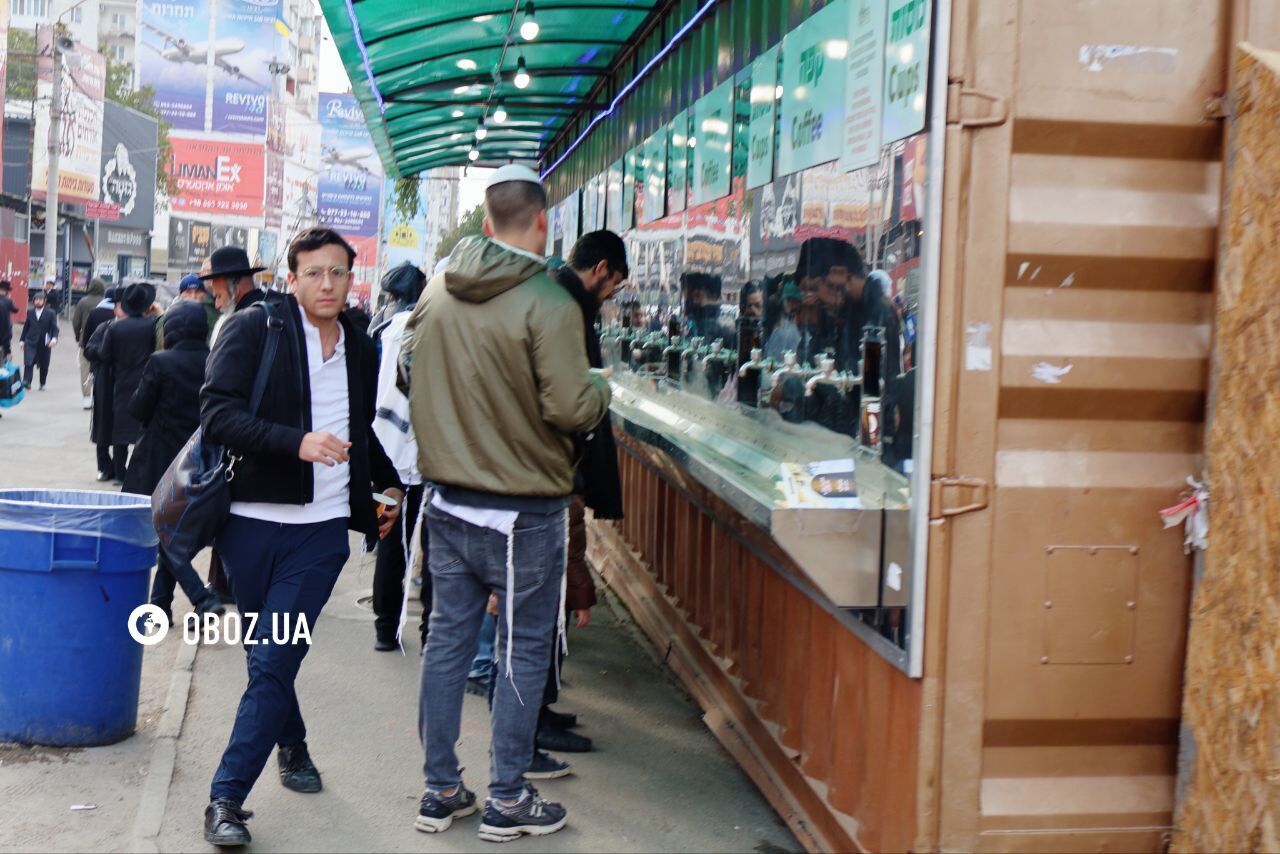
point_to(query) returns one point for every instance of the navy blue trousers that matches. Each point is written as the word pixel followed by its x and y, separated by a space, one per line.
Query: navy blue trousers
pixel 280 572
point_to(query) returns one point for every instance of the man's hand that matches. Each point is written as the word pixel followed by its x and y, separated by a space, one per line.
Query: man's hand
pixel 492 607
pixel 582 618
pixel 53 343
pixel 390 514
pixel 323 448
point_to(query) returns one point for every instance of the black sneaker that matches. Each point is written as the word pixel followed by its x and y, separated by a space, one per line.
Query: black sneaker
pixel 530 816
pixel 559 720
pixel 224 823
pixel 562 741
pixel 297 771
pixel 478 686
pixel 382 644
pixel 546 767
pixel 437 811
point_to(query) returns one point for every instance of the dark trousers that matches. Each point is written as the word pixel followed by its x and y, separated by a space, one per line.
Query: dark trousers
pixel 170 573
pixel 279 572
pixel 33 357
pixel 217 578
pixel 113 460
pixel 388 570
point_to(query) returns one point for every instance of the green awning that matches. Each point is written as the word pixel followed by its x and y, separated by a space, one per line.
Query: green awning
pixel 425 72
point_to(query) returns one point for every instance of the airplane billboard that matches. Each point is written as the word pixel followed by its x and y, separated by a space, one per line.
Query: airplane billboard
pixel 174 57
pixel 350 186
pixel 244 35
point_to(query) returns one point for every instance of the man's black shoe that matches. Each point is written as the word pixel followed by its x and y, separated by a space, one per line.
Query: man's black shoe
pixel 103 477
pixel 437 811
pixel 478 686
pixel 562 741
pixel 385 644
pixel 224 823
pixel 531 816
pixel 297 771
pixel 558 720
pixel 546 767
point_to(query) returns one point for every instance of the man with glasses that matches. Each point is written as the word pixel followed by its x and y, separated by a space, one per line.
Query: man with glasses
pixel 307 465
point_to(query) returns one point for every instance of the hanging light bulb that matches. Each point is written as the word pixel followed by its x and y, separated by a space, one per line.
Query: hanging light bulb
pixel 481 130
pixel 473 155
pixel 500 114
pixel 529 29
pixel 522 75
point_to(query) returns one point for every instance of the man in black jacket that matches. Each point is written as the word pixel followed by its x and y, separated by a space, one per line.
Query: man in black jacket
pixel 308 463
pixel 7 311
pixel 39 337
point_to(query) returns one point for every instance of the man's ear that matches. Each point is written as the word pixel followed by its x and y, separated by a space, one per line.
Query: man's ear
pixel 542 220
pixel 487 227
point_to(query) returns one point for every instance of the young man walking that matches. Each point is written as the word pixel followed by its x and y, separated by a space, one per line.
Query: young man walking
pixel 308 465
pixel 501 386
pixel 39 337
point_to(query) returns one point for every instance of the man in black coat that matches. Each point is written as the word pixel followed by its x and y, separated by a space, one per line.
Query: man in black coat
pixel 308 463
pixel 39 337
pixel 124 348
pixel 95 326
pixel 7 312
pixel 167 404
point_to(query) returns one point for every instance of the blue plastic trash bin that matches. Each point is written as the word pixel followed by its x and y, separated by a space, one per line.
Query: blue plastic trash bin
pixel 73 566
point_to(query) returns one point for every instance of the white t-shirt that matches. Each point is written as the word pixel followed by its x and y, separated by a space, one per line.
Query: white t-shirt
pixel 330 413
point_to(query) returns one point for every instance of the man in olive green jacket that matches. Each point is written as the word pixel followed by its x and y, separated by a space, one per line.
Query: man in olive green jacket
pixel 500 384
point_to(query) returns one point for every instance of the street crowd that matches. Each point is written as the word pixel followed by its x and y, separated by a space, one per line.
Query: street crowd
pixel 463 428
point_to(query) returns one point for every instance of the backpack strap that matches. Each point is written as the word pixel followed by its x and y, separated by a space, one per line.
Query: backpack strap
pixel 274 327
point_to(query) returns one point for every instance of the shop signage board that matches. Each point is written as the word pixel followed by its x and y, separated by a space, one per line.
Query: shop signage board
pixel 216 177
pixel 655 176
pixel 242 81
pixel 84 75
pixel 863 88
pixel 128 166
pixel 615 200
pixel 762 124
pixel 713 144
pixel 678 163
pixel 569 218
pixel 813 77
pixel 906 68
pixel 629 187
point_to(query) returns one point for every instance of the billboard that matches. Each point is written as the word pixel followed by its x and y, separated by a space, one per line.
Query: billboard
pixel 216 177
pixel 298 205
pixel 173 58
pixel 128 165
pixel 188 243
pixel 245 36
pixel 350 185
pixel 82 92
pixel 406 236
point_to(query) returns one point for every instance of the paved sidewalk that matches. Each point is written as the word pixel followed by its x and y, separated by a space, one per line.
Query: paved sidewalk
pixel 658 780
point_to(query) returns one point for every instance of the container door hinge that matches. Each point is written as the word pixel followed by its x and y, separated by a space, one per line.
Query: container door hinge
pixel 975 108
pixel 953 496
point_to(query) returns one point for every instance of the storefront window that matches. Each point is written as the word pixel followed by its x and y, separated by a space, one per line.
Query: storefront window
pixel 771 330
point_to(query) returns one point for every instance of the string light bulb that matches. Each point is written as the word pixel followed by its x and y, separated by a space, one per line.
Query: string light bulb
pixel 522 75
pixel 473 155
pixel 481 130
pixel 529 29
pixel 500 113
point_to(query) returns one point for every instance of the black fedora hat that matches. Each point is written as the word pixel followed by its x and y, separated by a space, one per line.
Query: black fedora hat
pixel 137 298
pixel 230 261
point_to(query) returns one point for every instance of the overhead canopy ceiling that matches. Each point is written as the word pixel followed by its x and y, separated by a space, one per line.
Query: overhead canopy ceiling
pixel 426 72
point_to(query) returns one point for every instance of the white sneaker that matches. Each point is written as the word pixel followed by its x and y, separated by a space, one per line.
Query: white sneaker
pixel 88 401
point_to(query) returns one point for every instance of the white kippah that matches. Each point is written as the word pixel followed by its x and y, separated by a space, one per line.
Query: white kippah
pixel 512 172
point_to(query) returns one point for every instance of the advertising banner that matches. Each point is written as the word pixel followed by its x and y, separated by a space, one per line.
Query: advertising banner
pixel 84 76
pixel 298 209
pixel 614 220
pixel 863 89
pixel 569 222
pixel 173 58
pixel 128 165
pixel 406 236
pixel 188 243
pixel 813 77
pixel 349 189
pixel 713 146
pixel 629 175
pixel 274 185
pixel 906 68
pixel 678 163
pixel 764 110
pixel 655 176
pixel 216 177
pixel 245 33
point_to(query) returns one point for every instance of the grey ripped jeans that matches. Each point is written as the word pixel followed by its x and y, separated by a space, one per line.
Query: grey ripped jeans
pixel 466 562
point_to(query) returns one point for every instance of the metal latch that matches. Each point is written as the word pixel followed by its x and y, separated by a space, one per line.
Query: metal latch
pixel 975 108
pixel 952 496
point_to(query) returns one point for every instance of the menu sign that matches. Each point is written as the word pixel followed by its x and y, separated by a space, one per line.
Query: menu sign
pixel 764 111
pixel 906 68
pixel 713 135
pixel 813 76
pixel 863 89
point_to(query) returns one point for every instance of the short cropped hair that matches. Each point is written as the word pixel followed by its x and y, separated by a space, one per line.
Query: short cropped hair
pixel 596 246
pixel 513 205
pixel 312 239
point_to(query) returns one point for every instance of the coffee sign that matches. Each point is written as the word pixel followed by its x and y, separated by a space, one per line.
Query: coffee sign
pixel 813 76
pixel 863 89
pixel 906 68
pixel 760 125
